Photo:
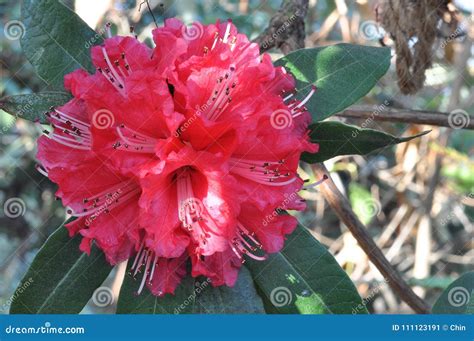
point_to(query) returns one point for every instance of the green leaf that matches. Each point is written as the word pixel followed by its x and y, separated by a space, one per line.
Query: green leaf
pixel 336 138
pixel 56 40
pixel 242 298
pixel 458 298
pixel 61 279
pixel 33 106
pixel 305 278
pixel 434 282
pixel 192 297
pixel 342 73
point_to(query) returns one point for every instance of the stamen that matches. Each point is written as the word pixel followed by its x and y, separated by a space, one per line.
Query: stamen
pixel 288 97
pixel 137 256
pixel 111 67
pixel 191 212
pixel 140 143
pixel 144 259
pixel 220 95
pixel 216 38
pixel 63 117
pixel 155 260
pixel 227 31
pixel 76 143
pixel 107 28
pixel 317 183
pixel 242 244
pixel 263 172
pixel 111 198
pixel 126 64
pixel 42 170
pixel 111 73
pixel 306 99
pixel 145 273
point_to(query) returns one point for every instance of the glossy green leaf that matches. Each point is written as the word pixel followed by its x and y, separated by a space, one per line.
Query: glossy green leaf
pixel 56 40
pixel 336 138
pixel 342 73
pixel 240 299
pixel 61 278
pixel 33 106
pixel 192 296
pixel 458 298
pixel 304 278
pixel 434 282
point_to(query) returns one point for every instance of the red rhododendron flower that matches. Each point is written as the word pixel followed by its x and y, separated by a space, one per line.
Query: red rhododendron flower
pixel 180 152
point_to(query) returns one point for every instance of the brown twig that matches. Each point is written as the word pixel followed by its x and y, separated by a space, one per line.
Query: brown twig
pixel 343 209
pixel 433 118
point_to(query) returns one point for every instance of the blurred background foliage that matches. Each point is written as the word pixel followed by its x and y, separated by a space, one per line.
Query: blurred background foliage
pixel 389 189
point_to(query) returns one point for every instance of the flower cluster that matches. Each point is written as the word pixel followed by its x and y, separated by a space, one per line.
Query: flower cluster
pixel 169 155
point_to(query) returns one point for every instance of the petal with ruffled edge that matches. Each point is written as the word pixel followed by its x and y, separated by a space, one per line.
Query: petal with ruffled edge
pixel 270 226
pixel 221 267
pixel 167 275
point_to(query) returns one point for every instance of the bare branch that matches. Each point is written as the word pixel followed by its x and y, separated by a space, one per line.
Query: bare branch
pixel 434 118
pixel 344 211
